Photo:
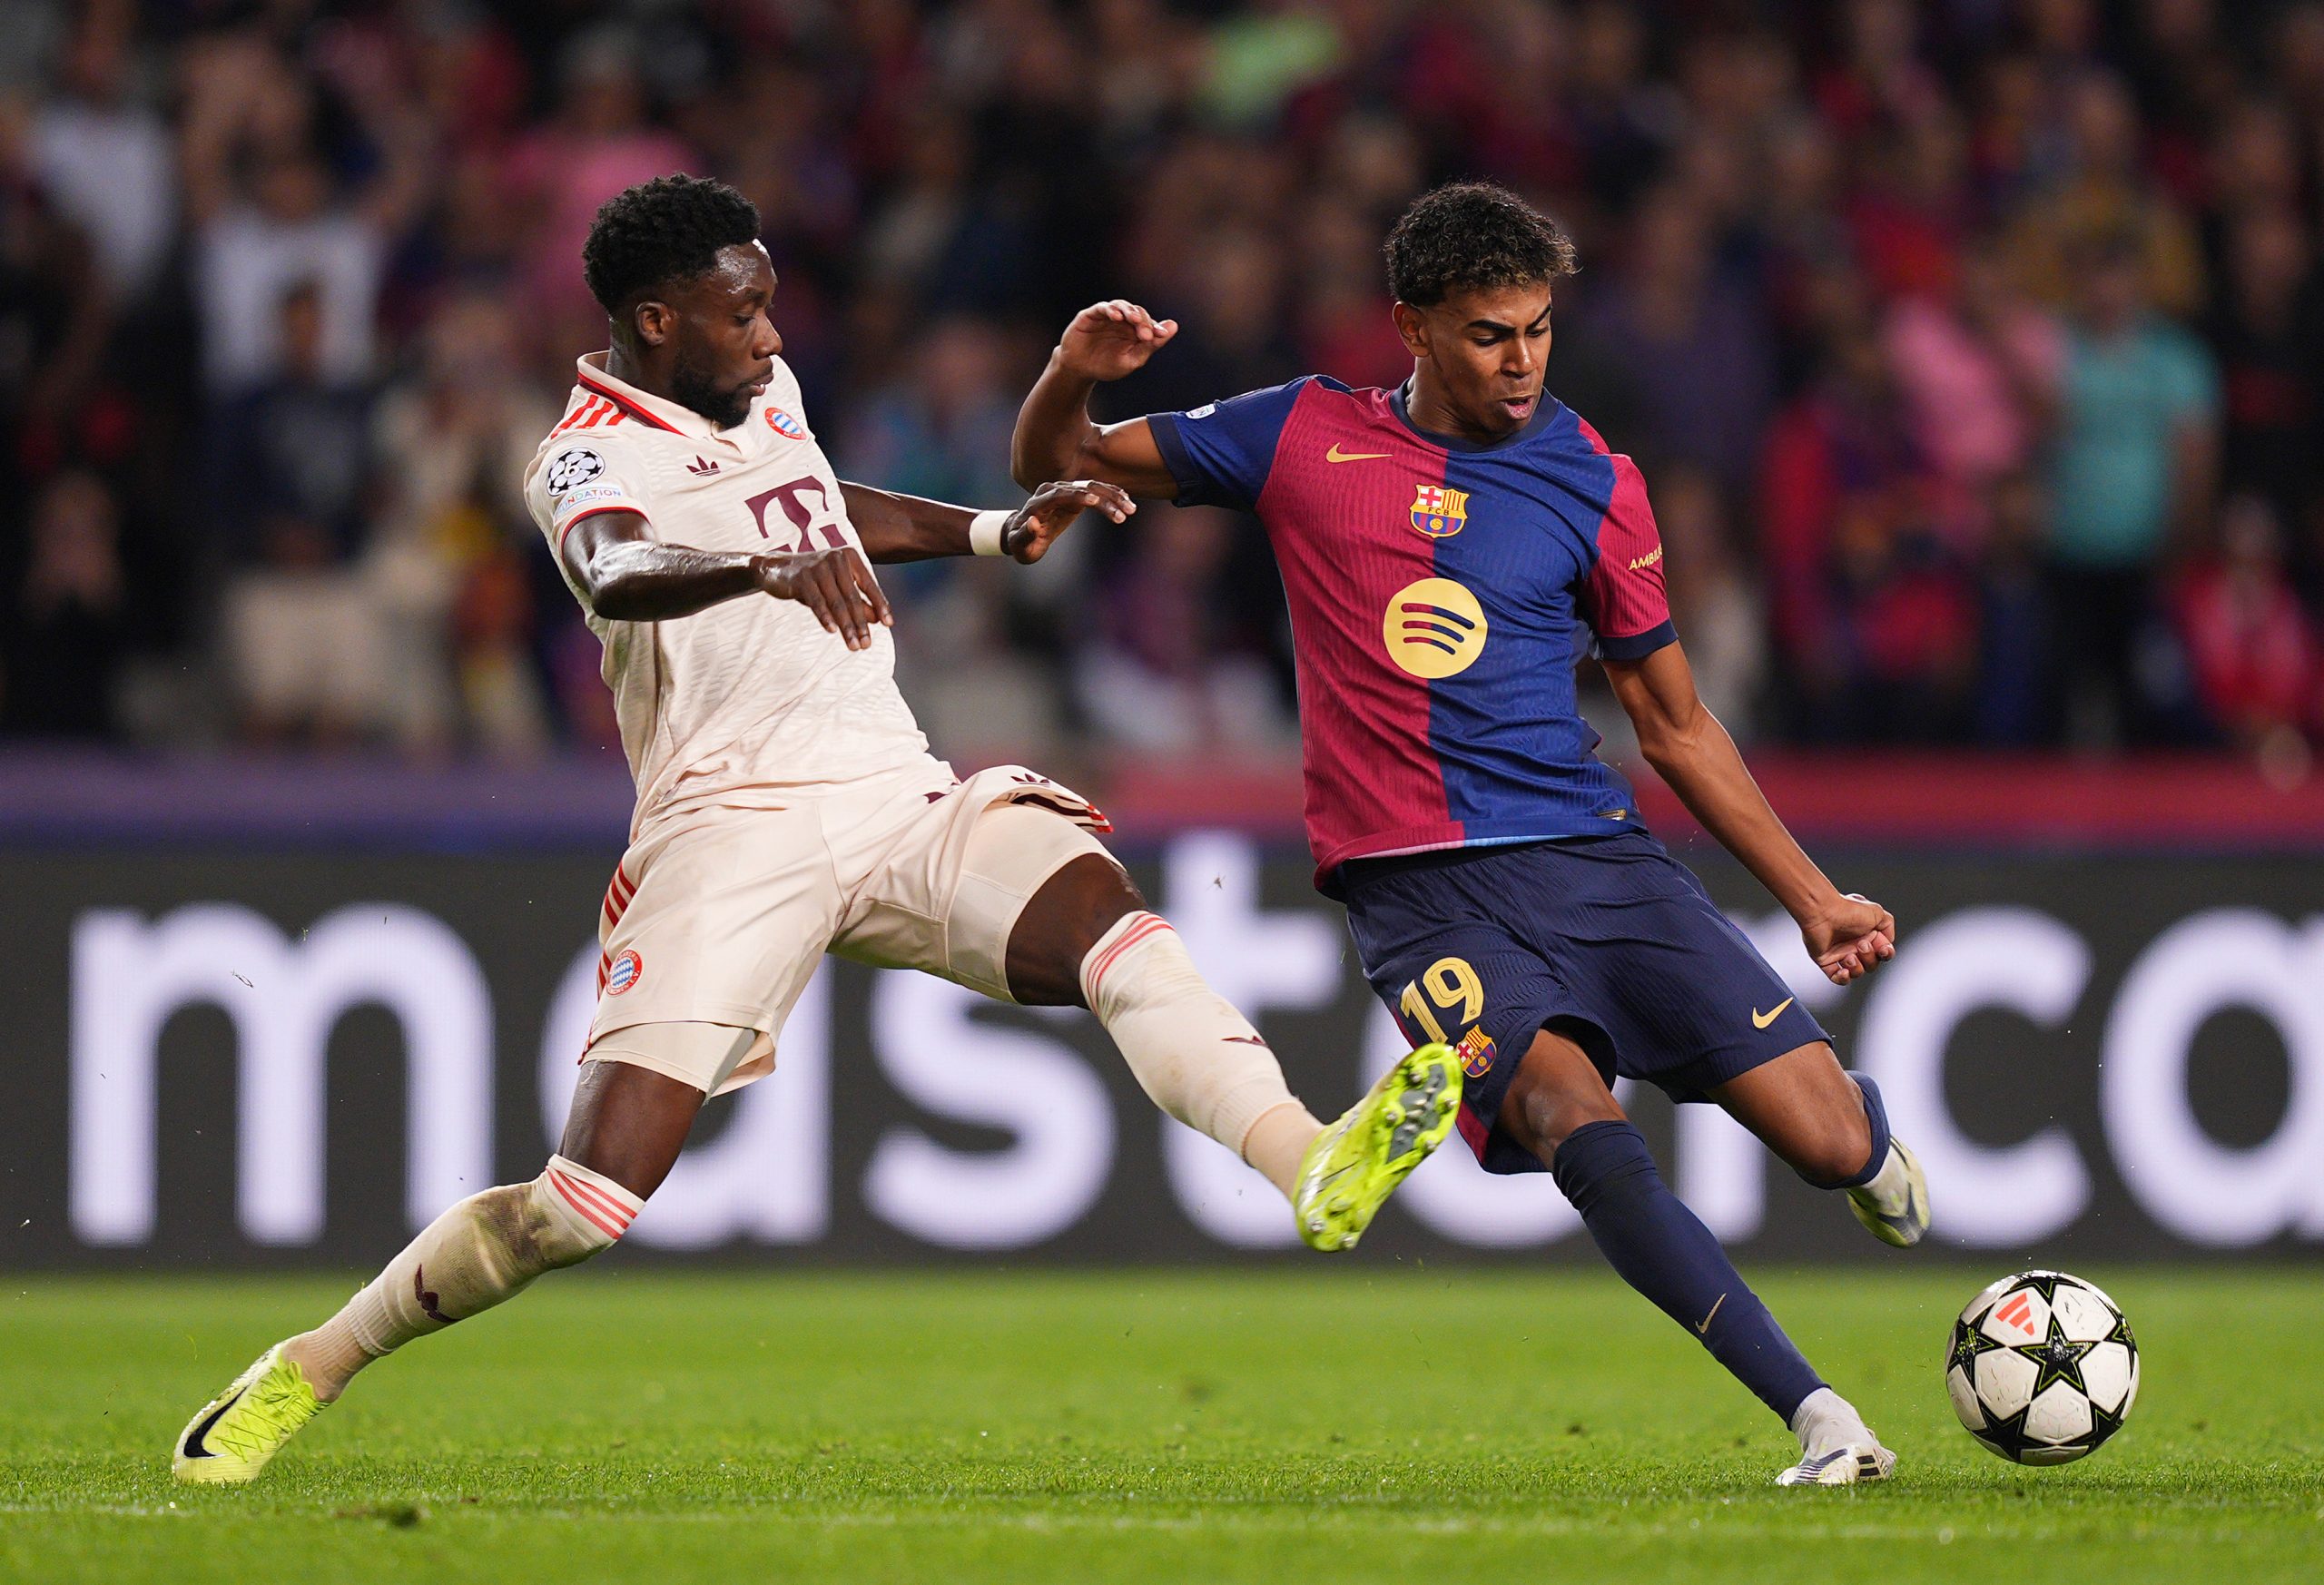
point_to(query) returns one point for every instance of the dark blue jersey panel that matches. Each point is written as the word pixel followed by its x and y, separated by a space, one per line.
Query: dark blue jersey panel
pixel 1519 759
pixel 1221 454
pixel 1443 591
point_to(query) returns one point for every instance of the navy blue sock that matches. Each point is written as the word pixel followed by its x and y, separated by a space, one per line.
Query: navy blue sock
pixel 1876 1115
pixel 1663 1250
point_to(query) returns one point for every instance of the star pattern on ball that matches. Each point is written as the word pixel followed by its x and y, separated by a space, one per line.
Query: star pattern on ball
pixel 2064 1367
pixel 2045 1283
pixel 2103 1425
pixel 2005 1434
pixel 1968 1343
pixel 2060 1357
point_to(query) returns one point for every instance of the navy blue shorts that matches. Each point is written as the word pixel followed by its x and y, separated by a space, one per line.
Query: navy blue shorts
pixel 1609 938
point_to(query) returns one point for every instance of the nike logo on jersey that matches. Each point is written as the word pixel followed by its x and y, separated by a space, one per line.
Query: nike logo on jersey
pixel 1702 1327
pixel 1336 455
pixel 1761 1020
pixel 701 467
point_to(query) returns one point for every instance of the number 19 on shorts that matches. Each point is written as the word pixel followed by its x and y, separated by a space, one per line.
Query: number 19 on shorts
pixel 1452 988
pixel 1451 984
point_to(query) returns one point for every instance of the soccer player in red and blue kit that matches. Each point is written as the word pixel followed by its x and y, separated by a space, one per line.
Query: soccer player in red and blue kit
pixel 1449 550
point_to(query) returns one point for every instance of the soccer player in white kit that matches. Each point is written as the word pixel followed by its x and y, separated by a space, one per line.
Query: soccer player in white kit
pixel 788 806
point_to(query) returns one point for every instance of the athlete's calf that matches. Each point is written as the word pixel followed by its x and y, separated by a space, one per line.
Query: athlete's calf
pixel 488 1248
pixel 1087 939
pixel 1559 1108
pixel 625 1129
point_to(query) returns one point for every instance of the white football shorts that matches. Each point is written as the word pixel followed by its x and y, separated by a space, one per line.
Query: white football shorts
pixel 719 916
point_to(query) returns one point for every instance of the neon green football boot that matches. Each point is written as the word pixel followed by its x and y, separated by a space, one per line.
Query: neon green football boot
pixel 1894 1206
pixel 238 1431
pixel 1355 1164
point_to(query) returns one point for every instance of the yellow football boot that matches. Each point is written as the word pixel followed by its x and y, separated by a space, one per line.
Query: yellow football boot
pixel 1356 1163
pixel 238 1431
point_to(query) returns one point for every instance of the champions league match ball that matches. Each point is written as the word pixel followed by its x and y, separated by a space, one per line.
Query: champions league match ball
pixel 2043 1368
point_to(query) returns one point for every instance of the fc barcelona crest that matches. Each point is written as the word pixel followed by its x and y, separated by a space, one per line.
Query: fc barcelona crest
pixel 1440 513
pixel 1476 1053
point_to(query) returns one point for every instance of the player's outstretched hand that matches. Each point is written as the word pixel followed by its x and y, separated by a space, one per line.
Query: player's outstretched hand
pixel 836 584
pixel 1034 526
pixel 1850 939
pixel 1108 340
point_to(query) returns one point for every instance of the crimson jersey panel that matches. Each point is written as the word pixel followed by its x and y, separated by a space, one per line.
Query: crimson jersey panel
pixel 1441 595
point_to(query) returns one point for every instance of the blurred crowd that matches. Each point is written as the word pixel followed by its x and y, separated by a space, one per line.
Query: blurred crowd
pixel 1972 349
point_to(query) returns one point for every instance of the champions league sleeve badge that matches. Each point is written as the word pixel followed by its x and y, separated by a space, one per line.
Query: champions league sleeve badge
pixel 572 469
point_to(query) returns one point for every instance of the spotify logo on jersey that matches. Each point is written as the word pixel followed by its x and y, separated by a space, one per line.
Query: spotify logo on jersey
pixel 1434 628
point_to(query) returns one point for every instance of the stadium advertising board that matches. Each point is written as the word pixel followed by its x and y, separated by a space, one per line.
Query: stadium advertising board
pixel 294 1059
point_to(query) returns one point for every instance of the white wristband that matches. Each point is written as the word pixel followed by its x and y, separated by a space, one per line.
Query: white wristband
pixel 985 531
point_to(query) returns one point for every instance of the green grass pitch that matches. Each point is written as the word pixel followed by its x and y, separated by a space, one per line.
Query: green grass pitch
pixel 1362 1422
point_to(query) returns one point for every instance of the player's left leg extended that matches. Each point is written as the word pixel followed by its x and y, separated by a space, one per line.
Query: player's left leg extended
pixel 1086 938
pixel 1828 1125
pixel 1558 1106
pixel 626 1127
pixel 997 884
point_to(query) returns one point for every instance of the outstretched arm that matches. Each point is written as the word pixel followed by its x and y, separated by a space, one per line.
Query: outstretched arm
pixel 628 577
pixel 898 527
pixel 1847 936
pixel 1055 437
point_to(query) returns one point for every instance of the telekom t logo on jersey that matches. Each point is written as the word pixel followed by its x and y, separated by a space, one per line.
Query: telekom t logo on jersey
pixel 801 515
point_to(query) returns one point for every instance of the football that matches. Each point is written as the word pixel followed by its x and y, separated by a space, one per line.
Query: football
pixel 2041 1368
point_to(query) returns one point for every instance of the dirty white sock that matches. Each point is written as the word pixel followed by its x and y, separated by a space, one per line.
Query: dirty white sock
pixel 482 1251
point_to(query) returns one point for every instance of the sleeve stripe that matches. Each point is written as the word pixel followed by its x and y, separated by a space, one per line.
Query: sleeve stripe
pixel 622 403
pixel 1639 645
pixel 566 526
pixel 582 417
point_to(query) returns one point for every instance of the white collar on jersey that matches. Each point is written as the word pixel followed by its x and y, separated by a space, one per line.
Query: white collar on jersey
pixel 653 411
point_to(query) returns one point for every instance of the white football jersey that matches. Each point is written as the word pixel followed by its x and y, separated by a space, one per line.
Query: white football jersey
pixel 734 702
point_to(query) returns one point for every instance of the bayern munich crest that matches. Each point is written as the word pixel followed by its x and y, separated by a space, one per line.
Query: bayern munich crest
pixel 782 423
pixel 626 972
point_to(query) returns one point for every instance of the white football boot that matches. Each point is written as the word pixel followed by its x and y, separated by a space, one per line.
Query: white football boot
pixel 1837 1447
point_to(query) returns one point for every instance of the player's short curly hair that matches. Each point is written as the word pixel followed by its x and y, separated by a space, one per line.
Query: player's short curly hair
pixel 668 229
pixel 1472 234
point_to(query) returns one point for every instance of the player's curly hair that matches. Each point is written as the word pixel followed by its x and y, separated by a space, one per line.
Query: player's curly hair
pixel 1472 234
pixel 666 230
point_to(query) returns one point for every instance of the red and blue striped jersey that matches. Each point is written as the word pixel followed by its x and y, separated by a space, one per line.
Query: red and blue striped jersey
pixel 1441 593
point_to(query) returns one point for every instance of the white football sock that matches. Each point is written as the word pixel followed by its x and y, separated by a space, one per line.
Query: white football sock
pixel 1277 1143
pixel 1889 1190
pixel 483 1250
pixel 1196 1056
pixel 1825 1422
